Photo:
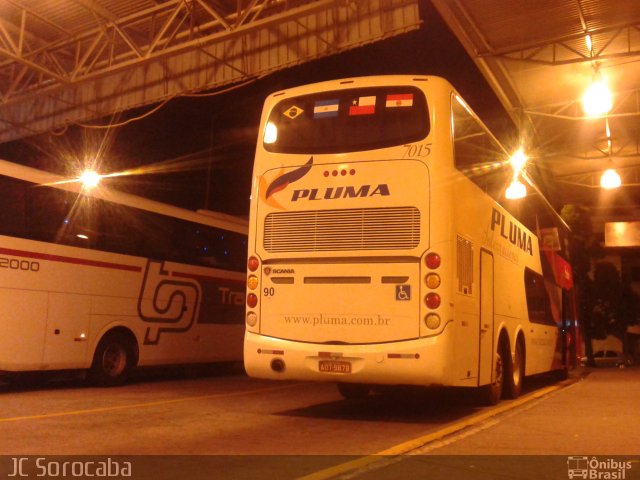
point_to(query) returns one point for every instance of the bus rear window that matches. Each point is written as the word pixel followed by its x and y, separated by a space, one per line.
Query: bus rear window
pixel 347 121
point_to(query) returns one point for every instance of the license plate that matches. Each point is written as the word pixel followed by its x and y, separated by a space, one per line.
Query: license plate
pixel 334 366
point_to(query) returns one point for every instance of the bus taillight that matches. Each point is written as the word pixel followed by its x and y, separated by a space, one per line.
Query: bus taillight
pixel 252 300
pixel 432 280
pixel 252 319
pixel 432 300
pixel 432 260
pixel 253 264
pixel 432 321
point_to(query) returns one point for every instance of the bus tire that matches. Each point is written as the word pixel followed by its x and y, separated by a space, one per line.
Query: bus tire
pixel 514 373
pixel 492 393
pixel 353 391
pixel 113 360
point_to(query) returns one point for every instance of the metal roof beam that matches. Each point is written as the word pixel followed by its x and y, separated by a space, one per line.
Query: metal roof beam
pixel 199 49
pixel 561 51
pixel 171 39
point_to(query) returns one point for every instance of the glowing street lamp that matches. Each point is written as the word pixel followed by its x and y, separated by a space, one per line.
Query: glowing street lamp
pixel 517 189
pixel 597 100
pixel 89 179
pixel 610 179
pixel 518 161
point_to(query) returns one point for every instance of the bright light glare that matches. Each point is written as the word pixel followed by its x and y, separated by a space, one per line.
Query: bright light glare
pixel 610 179
pixel 597 100
pixel 270 133
pixel 516 190
pixel 518 161
pixel 90 179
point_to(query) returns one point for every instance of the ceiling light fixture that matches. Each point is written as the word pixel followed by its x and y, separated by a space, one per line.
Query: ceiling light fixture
pixel 518 160
pixel 517 189
pixel 90 179
pixel 597 99
pixel 610 179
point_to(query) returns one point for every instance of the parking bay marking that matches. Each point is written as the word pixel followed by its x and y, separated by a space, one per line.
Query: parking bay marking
pixel 406 447
pixel 146 404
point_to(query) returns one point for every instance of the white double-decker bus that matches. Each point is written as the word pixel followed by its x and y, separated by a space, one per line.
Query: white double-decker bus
pixel 104 281
pixel 378 252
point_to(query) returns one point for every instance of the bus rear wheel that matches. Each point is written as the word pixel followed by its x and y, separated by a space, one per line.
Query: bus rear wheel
pixel 492 393
pixel 515 374
pixel 113 361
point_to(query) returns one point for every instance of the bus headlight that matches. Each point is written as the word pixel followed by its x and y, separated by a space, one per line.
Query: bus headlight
pixel 252 282
pixel 252 319
pixel 432 321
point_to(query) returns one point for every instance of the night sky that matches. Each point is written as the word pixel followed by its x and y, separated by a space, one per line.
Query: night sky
pixel 216 136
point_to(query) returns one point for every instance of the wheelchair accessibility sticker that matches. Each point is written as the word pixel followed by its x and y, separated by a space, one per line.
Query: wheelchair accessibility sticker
pixel 403 292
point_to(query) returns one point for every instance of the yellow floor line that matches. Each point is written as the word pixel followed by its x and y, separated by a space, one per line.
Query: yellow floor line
pixel 410 445
pixel 146 404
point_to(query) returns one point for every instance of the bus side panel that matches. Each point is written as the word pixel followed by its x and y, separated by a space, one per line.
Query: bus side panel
pixel 466 343
pixel 55 315
pixel 67 331
pixel 23 316
pixel 219 329
pixel 485 225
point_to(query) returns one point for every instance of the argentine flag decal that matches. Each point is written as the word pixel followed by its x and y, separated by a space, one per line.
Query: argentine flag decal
pixel 326 108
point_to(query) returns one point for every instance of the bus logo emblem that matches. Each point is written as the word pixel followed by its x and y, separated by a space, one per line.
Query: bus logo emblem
pixel 403 293
pixel 168 305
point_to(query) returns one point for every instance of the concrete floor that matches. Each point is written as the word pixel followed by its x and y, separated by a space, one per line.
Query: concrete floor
pixel 287 430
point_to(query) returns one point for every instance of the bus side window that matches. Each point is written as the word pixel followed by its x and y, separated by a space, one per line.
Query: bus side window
pixel 211 247
pixel 120 230
pixel 538 302
pixel 184 242
pixel 157 236
pixel 51 214
pixel 477 154
pixel 13 209
pixel 199 244
pixel 229 249
pixel 237 248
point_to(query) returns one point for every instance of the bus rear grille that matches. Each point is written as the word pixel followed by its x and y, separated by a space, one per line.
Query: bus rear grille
pixel 396 228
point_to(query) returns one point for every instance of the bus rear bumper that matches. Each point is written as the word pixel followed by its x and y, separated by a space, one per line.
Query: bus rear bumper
pixel 412 362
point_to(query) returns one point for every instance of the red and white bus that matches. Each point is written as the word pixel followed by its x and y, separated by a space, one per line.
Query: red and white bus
pixel 101 280
pixel 380 251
